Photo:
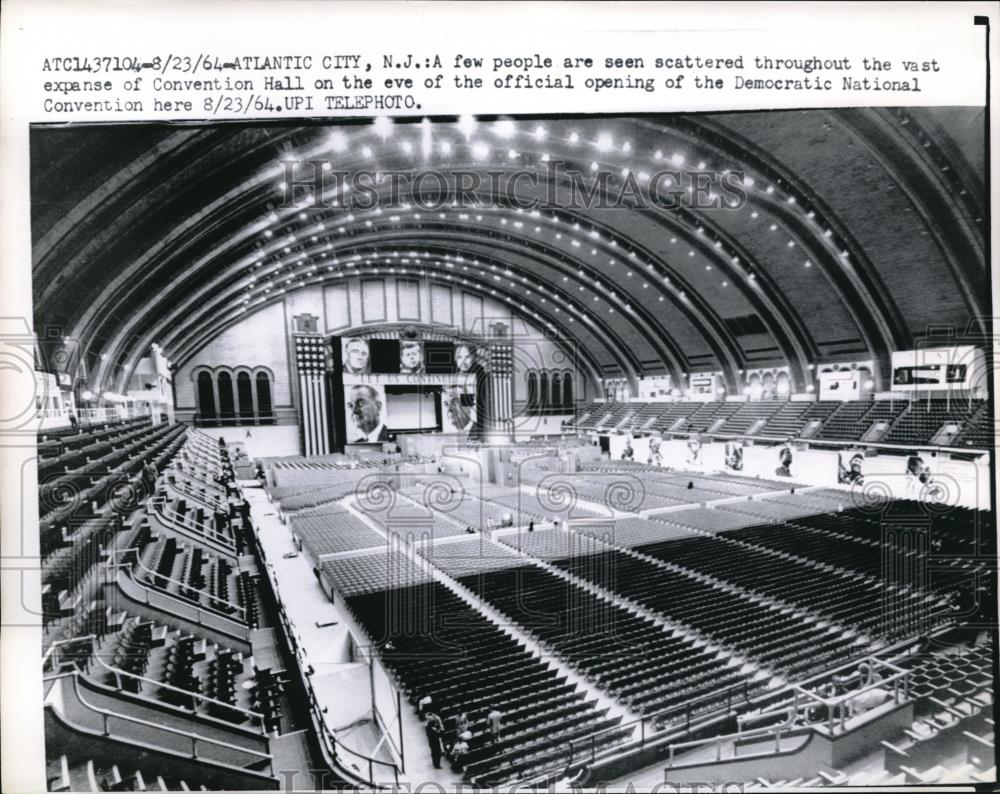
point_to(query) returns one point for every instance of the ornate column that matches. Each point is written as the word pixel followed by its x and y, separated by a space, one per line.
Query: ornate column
pixel 499 424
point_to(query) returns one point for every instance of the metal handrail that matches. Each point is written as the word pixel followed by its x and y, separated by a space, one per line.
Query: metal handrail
pixel 174 521
pixel 195 737
pixel 119 673
pixel 329 745
pixel 112 563
pixel 186 491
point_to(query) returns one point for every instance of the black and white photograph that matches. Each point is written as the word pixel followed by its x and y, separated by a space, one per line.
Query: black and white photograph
pixel 488 451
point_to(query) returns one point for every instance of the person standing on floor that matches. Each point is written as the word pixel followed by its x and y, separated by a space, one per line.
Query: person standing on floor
pixel 434 728
pixel 494 718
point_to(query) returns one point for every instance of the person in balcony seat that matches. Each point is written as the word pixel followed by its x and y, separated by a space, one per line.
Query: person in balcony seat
pixel 149 475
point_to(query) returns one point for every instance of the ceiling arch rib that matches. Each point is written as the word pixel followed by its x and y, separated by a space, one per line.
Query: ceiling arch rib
pixel 233 316
pixel 220 226
pixel 730 358
pixel 704 308
pixel 960 244
pixel 228 311
pixel 192 302
pixel 858 284
pixel 575 312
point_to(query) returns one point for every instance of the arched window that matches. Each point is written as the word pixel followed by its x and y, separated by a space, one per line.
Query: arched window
pixel 567 390
pixel 227 409
pixel 532 391
pixel 264 409
pixel 557 397
pixel 543 392
pixel 244 396
pixel 206 396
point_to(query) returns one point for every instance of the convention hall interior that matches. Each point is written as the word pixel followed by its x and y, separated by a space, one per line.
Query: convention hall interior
pixel 386 483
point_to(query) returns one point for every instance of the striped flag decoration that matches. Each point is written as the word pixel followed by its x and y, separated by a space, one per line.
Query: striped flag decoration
pixel 310 361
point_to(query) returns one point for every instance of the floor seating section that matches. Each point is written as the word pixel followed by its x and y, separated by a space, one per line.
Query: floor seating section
pixel 650 668
pixel 461 660
pixel 333 529
pixel 773 637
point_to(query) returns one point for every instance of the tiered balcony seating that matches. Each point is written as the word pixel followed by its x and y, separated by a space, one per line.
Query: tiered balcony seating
pixel 672 412
pixel 179 670
pixel 923 420
pixel 818 412
pixel 704 416
pixel 85 490
pixel 64 773
pixel 884 411
pixel 644 418
pixel 979 431
pixel 787 422
pixel 131 653
pixel 476 667
pixel 193 523
pixel 848 422
pixel 147 658
pixel 613 414
pixel 952 737
pixel 267 698
pixel 221 685
pixel 247 590
pixel 748 415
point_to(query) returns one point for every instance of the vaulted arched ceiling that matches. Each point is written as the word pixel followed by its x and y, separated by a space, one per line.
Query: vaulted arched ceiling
pixel 850 231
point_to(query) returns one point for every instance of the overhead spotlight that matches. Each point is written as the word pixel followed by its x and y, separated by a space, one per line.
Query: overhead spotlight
pixel 677 159
pixel 467 125
pixel 338 141
pixel 383 127
pixel 504 128
pixel 539 133
pixel 480 150
pixel 604 142
pixel 574 137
